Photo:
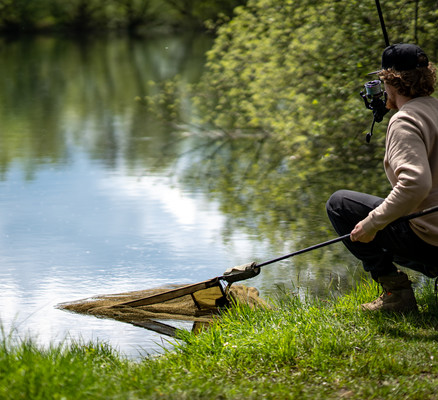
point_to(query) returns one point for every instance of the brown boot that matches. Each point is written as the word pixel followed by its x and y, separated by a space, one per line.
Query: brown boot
pixel 397 295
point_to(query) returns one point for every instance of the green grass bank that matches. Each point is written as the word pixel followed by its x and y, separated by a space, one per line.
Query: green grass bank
pixel 304 349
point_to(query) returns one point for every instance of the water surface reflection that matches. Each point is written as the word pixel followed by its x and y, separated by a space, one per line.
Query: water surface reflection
pixel 80 231
pixel 89 199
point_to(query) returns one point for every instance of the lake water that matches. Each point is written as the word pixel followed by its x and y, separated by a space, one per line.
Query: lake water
pixel 90 199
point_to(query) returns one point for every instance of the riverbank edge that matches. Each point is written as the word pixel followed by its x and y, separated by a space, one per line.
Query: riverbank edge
pixel 301 348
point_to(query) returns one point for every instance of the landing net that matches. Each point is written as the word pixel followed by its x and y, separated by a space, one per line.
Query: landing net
pixel 199 306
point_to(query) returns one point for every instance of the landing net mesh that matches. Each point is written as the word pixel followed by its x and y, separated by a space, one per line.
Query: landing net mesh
pixel 182 308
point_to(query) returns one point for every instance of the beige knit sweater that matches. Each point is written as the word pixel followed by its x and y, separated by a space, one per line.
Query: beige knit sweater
pixel 411 165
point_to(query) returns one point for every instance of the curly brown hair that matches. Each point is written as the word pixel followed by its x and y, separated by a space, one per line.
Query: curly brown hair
pixel 416 82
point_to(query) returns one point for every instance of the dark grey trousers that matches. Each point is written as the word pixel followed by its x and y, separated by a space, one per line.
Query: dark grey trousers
pixel 396 243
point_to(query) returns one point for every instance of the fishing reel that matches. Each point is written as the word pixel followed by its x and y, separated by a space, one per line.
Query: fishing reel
pixel 375 100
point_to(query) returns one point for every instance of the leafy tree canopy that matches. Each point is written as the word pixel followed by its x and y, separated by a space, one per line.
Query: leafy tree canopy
pixel 294 68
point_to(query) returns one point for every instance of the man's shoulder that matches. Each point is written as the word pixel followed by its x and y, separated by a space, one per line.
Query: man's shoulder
pixel 422 107
pixel 420 103
pixel 417 115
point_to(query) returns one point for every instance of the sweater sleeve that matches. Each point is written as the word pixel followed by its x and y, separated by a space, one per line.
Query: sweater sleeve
pixel 408 170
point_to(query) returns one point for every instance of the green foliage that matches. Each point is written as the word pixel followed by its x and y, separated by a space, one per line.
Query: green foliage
pixel 197 13
pixel 15 15
pixel 135 16
pixel 294 69
pixel 79 15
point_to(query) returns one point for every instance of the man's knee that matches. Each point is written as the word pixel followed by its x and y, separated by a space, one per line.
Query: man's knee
pixel 335 202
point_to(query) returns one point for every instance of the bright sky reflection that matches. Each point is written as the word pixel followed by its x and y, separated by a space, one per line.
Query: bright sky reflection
pixel 80 231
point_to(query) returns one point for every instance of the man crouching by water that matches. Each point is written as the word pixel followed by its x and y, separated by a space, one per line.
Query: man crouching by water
pixel 411 165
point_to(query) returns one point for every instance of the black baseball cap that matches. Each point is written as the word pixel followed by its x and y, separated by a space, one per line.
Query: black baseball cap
pixel 403 57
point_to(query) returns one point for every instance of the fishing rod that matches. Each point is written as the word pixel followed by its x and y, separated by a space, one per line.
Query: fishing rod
pixel 374 97
pixel 250 270
pixel 382 23
pixel 240 273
